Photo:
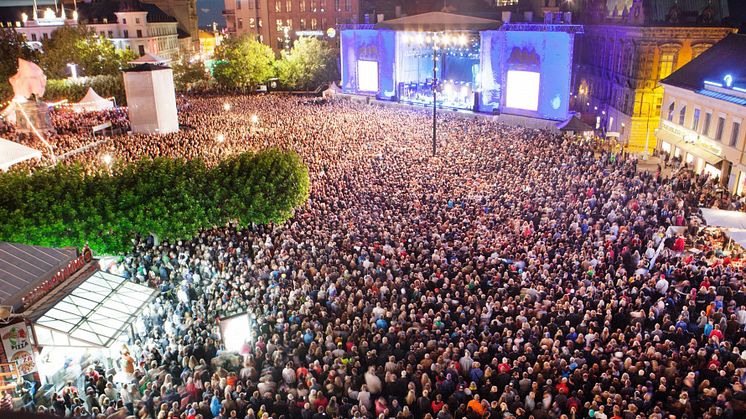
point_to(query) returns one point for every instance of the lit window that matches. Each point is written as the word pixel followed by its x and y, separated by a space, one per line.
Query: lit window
pixel 288 6
pixel 278 6
pixel 302 6
pixel 720 128
pixel 278 25
pixel 666 65
pixel 734 133
pixel 706 125
pixel 670 111
pixel 695 120
pixel 314 24
pixel 682 115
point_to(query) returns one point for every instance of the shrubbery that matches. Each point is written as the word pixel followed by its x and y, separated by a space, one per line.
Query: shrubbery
pixel 105 86
pixel 171 198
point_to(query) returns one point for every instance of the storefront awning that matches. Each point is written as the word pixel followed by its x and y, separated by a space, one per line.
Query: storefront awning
pixel 705 155
pixel 723 218
pixel 95 314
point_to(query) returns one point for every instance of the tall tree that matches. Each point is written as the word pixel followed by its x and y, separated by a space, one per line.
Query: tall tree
pixel 12 47
pixel 79 45
pixel 310 63
pixel 243 63
pixel 186 72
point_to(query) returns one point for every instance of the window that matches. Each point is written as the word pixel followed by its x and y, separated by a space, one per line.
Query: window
pixel 682 115
pixel 139 33
pixel 111 34
pixel 314 24
pixel 670 111
pixel 336 6
pixel 706 125
pixel 278 25
pixel 126 33
pixel 288 6
pixel 302 6
pixel 720 128
pixel 278 6
pixel 666 64
pixel 289 23
pixel 238 4
pixel 323 23
pixel 734 133
pixel 323 5
pixel 33 37
pixel 313 6
pixel 259 23
pixel 280 42
pixel 303 24
pixel 141 49
pixel 252 23
pixel 124 21
pixel 695 120
pixel 348 5
pixel 137 20
pixel 240 23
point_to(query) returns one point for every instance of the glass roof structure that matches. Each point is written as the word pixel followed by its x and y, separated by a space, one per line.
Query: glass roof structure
pixel 95 314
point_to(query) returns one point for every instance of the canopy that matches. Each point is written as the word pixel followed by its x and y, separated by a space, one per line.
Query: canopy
pixel 575 125
pixel 149 58
pixel 13 153
pixel 332 91
pixel 95 314
pixel 92 102
pixel 438 22
pixel 738 236
pixel 29 80
pixel 723 218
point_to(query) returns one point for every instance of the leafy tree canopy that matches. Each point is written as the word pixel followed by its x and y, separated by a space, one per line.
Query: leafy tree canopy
pixel 187 73
pixel 243 63
pixel 309 63
pixel 94 54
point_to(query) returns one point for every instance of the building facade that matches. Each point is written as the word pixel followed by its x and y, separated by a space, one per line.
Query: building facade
pixel 623 56
pixel 278 22
pixel 703 112
pixel 142 28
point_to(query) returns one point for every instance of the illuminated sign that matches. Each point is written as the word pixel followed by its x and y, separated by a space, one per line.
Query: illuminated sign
pixel 692 137
pixel 728 80
pixel 309 33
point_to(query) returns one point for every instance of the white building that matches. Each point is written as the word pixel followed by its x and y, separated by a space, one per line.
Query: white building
pixel 140 27
pixel 703 112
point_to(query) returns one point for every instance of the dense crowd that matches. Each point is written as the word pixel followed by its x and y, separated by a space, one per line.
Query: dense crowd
pixel 516 274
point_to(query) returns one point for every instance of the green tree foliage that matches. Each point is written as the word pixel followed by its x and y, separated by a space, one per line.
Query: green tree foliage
pixel 94 54
pixel 12 47
pixel 106 86
pixel 171 198
pixel 309 63
pixel 187 73
pixel 243 63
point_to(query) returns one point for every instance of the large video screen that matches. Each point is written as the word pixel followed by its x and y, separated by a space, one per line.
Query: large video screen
pixel 367 73
pixel 522 90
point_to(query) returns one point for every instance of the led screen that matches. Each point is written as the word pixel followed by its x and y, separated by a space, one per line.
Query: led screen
pixel 367 74
pixel 522 90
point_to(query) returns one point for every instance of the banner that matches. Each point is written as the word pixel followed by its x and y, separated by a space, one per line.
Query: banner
pixel 18 347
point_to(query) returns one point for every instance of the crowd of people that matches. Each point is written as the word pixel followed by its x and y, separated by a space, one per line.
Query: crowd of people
pixel 516 274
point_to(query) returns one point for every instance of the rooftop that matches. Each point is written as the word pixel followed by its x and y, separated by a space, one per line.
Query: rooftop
pixel 727 57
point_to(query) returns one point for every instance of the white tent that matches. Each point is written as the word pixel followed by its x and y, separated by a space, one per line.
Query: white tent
pixel 738 236
pixel 13 153
pixel 331 92
pixel 724 219
pixel 93 102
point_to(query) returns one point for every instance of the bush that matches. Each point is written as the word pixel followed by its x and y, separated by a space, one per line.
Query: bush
pixel 171 198
pixel 106 86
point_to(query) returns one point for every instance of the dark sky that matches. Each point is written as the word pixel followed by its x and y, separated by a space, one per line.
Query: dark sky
pixel 209 11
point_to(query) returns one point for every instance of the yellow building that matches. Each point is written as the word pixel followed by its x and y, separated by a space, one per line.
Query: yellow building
pixel 622 58
pixel 208 41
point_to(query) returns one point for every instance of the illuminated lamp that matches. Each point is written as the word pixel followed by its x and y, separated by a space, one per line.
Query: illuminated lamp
pixel 24 17
pixel 462 40
pixel 49 14
pixel 227 106
pixel 254 119
pixel 331 32
pixel 420 39
pixel 728 80
pixel 107 159
pixel 220 138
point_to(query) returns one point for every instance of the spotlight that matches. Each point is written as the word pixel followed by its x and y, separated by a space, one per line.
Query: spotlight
pixel 227 106
pixel 220 138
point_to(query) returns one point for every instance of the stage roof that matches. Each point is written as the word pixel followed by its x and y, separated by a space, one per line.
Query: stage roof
pixel 23 268
pixel 95 314
pixel 439 21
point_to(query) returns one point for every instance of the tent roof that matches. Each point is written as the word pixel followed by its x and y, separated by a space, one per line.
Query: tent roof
pixel 95 314
pixel 574 124
pixel 439 21
pixel 23 268
pixel 13 153
pixel 92 97
pixel 149 58
pixel 723 218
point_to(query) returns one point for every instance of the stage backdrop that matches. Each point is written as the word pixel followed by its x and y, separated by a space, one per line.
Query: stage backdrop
pixel 526 73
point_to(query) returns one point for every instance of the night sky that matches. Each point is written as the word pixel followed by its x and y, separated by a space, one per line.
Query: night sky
pixel 209 11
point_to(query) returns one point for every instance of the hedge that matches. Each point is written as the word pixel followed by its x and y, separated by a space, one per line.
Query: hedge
pixel 105 86
pixel 171 198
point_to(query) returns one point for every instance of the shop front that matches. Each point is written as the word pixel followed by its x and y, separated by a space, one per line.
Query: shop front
pixel 701 154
